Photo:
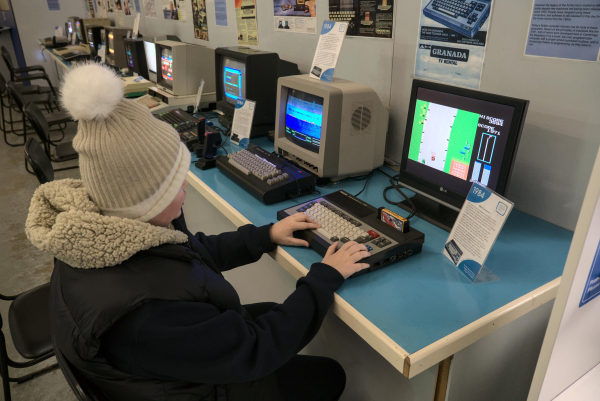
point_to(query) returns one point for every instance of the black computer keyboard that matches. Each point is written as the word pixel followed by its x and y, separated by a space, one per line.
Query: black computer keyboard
pixel 266 176
pixel 344 218
pixel 186 125
pixel 463 16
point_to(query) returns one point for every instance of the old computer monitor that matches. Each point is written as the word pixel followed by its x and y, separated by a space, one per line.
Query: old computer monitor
pixel 250 74
pixel 136 56
pixel 455 136
pixel 181 66
pixel 95 22
pixel 81 37
pixel 332 129
pixel 115 46
pixel 94 38
pixel 150 51
pixel 72 29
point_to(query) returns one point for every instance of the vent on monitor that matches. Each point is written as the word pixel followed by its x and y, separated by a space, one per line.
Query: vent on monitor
pixel 361 118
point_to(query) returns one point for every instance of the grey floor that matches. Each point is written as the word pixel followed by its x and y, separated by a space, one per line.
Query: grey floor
pixel 22 266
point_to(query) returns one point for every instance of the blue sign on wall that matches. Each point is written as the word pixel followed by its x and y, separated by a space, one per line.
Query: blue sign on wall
pixel 592 285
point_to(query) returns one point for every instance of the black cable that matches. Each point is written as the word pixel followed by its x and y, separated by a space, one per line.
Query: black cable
pixel 394 185
pixel 368 178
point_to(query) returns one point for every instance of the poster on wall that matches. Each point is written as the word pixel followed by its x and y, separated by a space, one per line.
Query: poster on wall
pixel 174 10
pixel 137 6
pixel 298 16
pixel 53 5
pixel 150 9
pixel 199 16
pixel 221 12
pixel 451 45
pixel 365 18
pixel 120 15
pixel 127 6
pixel 245 17
pixel 181 10
pixel 110 6
pixel 102 6
pixel 89 8
pixel 565 29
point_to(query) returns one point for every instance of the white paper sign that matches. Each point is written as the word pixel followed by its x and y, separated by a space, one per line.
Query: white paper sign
pixel 476 229
pixel 136 26
pixel 328 50
pixel 242 121
pixel 199 96
pixel 102 52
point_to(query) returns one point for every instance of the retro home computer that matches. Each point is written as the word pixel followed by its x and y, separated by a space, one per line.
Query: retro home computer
pixel 181 66
pixel 455 136
pixel 331 129
pixel 115 46
pixel 250 74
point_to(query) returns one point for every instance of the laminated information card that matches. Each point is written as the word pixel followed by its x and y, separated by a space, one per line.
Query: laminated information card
pixel 328 50
pixel 242 121
pixel 476 229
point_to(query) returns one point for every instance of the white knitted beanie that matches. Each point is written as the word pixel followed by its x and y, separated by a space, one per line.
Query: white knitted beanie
pixel 131 163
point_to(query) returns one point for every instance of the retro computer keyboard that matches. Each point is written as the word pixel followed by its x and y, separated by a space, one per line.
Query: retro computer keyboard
pixel 266 176
pixel 463 16
pixel 185 124
pixel 344 218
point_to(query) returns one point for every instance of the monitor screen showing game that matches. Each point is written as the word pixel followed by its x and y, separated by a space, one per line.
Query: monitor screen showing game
pixel 129 56
pixel 70 27
pixel 150 50
pixel 457 139
pixel 166 66
pixel 111 43
pixel 78 30
pixel 234 79
pixel 303 119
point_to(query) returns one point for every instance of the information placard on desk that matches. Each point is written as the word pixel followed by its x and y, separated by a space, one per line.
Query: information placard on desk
pixel 475 231
pixel 328 50
pixel 242 121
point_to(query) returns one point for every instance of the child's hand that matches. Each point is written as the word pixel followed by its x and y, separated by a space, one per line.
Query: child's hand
pixel 282 231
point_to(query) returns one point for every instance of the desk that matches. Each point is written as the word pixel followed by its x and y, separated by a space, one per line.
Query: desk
pixel 60 64
pixel 418 312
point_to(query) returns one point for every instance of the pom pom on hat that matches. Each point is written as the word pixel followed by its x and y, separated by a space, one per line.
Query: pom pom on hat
pixel 91 91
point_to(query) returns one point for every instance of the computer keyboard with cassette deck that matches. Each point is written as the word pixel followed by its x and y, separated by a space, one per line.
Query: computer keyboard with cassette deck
pixel 345 218
pixel 463 16
pixel 266 176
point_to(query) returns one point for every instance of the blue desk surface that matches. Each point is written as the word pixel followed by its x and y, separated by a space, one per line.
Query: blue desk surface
pixel 424 298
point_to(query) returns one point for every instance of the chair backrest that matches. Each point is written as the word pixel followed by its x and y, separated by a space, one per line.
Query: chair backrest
pixel 37 121
pixel 8 61
pixel 2 84
pixel 84 389
pixel 39 161
pixel 15 95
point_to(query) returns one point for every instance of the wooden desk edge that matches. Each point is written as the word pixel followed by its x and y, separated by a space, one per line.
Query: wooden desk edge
pixel 409 365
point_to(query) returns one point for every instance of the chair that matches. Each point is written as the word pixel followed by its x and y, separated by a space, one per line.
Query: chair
pixel 36 157
pixel 56 118
pixel 83 389
pixel 28 95
pixel 24 74
pixel 29 324
pixel 63 151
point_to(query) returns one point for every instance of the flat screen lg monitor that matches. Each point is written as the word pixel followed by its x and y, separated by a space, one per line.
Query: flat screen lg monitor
pixel 453 137
pixel 331 129
pixel 242 72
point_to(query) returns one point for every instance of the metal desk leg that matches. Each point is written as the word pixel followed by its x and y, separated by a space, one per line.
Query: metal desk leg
pixel 441 381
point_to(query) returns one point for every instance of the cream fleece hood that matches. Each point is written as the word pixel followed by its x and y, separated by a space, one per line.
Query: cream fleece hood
pixel 65 222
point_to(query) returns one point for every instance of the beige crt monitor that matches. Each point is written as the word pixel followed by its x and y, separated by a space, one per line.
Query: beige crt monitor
pixel 180 67
pixel 93 21
pixel 332 129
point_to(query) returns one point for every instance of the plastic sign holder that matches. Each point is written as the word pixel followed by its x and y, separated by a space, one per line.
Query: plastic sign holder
pixel 242 122
pixel 328 50
pixel 476 229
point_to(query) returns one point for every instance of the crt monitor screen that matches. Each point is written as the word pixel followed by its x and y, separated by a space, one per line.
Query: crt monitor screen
pixel 129 56
pixel 234 79
pixel 166 66
pixel 150 50
pixel 90 35
pixel 70 27
pixel 457 139
pixel 111 42
pixel 78 30
pixel 303 119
